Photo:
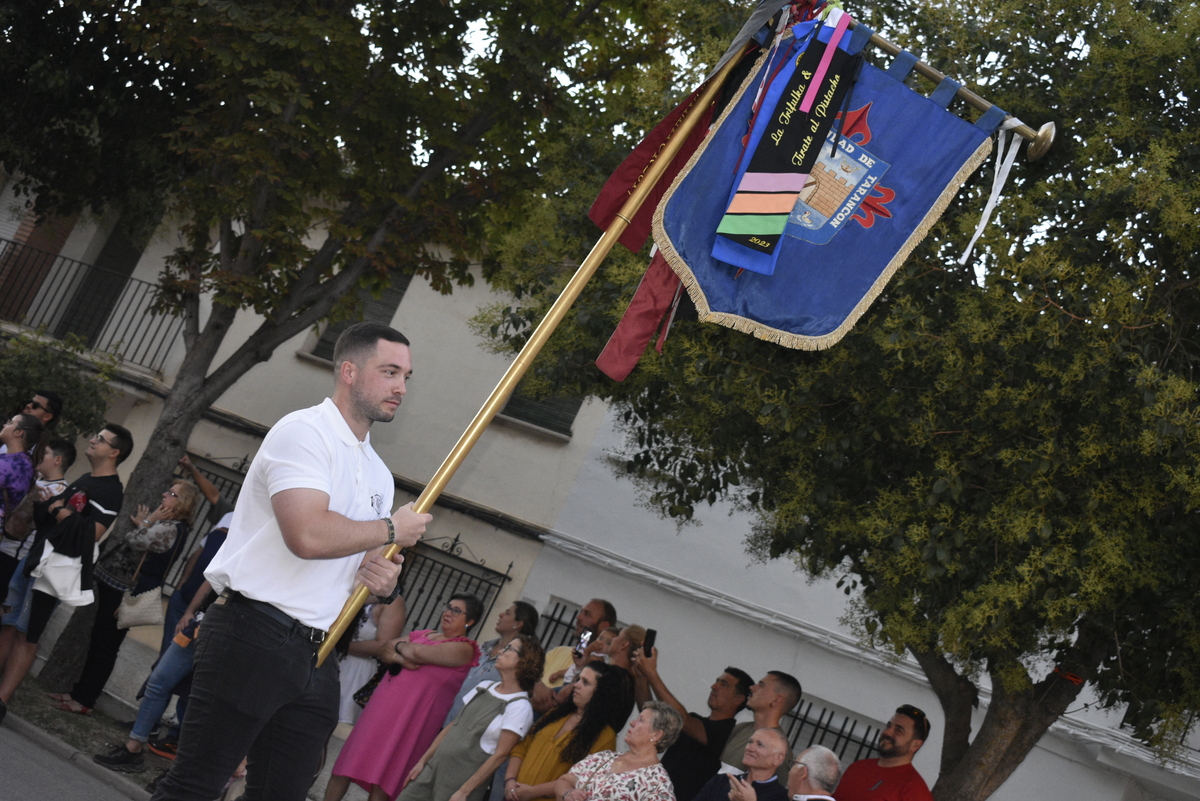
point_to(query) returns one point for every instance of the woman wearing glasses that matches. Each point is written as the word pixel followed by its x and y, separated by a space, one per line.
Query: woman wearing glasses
pixel 460 763
pixel 406 710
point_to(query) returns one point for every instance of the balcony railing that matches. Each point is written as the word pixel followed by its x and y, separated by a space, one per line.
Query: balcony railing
pixel 110 311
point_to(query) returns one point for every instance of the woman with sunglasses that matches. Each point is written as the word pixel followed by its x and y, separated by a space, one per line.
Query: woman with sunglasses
pixel 407 708
pixel 139 561
pixel 459 764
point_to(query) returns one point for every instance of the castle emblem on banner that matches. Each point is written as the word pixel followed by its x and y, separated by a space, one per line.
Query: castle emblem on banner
pixel 843 185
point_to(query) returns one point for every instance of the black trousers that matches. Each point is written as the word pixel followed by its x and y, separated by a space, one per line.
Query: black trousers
pixel 105 644
pixel 256 692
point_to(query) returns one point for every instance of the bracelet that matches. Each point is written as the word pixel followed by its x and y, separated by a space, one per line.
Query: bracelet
pixel 391 531
pixel 396 648
pixel 511 779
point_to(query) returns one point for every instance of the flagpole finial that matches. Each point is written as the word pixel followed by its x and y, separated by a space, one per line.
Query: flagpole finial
pixel 1042 142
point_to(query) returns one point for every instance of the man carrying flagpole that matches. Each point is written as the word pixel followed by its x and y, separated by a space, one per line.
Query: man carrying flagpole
pixel 310 522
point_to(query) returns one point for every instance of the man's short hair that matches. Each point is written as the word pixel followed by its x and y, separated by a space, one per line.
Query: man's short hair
pixel 824 768
pixel 358 342
pixel 124 443
pixel 54 405
pixel 744 683
pixel 789 685
pixel 920 720
pixel 609 614
pixel 65 449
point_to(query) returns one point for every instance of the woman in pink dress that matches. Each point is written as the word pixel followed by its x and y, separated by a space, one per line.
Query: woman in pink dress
pixel 406 710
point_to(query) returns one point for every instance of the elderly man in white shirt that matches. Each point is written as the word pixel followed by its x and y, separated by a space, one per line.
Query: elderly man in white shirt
pixel 311 519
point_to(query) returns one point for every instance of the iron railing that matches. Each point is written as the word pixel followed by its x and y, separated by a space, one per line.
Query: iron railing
pixel 850 739
pixel 62 296
pixel 434 570
pixel 556 626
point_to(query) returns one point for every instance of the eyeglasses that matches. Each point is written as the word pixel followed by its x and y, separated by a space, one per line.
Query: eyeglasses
pixel 36 406
pixel 918 717
pixel 100 438
pixel 510 648
pixel 453 611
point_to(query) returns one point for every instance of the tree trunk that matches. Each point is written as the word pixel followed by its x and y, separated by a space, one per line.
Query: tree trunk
pixel 1017 718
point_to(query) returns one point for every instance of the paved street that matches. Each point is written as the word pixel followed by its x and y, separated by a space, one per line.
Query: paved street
pixel 35 767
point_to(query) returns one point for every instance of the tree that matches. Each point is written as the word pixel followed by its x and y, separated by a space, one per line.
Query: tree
pixel 999 463
pixel 304 149
pixel 28 363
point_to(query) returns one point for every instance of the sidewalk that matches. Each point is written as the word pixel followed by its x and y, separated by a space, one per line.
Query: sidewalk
pixel 78 737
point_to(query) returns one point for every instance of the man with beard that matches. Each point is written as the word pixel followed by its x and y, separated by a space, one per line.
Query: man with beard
pixel 311 520
pixel 891 777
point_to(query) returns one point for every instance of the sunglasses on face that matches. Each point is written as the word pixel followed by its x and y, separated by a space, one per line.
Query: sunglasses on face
pixel 918 717
pixel 36 406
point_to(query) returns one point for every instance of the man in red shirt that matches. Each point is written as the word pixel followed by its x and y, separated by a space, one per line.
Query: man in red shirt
pixel 891 777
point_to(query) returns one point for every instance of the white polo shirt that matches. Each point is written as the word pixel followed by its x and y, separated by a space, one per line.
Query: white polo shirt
pixel 313 448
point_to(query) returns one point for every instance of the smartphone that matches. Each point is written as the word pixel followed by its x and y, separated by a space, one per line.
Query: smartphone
pixel 584 639
pixel 648 643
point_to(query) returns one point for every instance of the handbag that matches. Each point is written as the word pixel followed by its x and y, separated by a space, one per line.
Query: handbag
pixel 363 693
pixel 140 610
pixel 61 576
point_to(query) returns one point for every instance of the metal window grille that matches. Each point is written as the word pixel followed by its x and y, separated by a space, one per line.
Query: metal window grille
pixel 434 572
pixel 850 739
pixel 229 484
pixel 556 626
pixel 44 290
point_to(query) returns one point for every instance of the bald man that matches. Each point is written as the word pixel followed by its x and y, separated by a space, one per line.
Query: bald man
pixel 765 751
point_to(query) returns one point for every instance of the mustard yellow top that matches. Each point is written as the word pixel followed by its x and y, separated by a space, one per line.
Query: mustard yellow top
pixel 540 753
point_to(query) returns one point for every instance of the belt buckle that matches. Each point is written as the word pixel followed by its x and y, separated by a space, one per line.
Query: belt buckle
pixel 315 636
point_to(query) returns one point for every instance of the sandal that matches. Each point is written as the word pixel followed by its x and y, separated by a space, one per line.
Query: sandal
pixel 73 706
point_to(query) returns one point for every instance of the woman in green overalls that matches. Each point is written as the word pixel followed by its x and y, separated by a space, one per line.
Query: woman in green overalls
pixel 497 714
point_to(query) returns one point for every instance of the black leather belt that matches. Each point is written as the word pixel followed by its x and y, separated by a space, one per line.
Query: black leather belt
pixel 314 636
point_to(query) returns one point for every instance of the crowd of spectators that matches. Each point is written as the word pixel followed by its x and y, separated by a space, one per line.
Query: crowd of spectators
pixel 436 716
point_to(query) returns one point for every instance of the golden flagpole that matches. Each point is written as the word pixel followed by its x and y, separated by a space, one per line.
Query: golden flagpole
pixel 540 335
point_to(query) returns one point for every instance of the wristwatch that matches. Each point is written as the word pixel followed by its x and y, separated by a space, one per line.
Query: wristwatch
pixel 391 531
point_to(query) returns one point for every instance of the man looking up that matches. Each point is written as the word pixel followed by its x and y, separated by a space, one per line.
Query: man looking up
pixel 696 755
pixel 595 616
pixel 814 774
pixel 776 694
pixel 311 520
pixel 891 777
pixel 763 755
pixel 45 406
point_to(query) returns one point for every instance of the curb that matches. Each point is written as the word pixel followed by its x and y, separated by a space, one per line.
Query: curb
pixel 79 759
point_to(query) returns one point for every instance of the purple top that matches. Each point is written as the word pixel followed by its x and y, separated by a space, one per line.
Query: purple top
pixel 16 474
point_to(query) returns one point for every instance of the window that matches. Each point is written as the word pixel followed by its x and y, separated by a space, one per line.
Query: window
pixel 555 413
pixel 375 310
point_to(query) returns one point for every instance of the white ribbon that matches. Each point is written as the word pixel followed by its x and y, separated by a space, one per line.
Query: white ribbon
pixel 1004 163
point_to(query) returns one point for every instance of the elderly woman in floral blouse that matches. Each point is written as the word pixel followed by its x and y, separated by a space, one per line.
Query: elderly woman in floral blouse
pixel 635 775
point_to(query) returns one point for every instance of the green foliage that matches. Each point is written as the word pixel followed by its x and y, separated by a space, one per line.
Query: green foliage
pixel 29 363
pixel 999 464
